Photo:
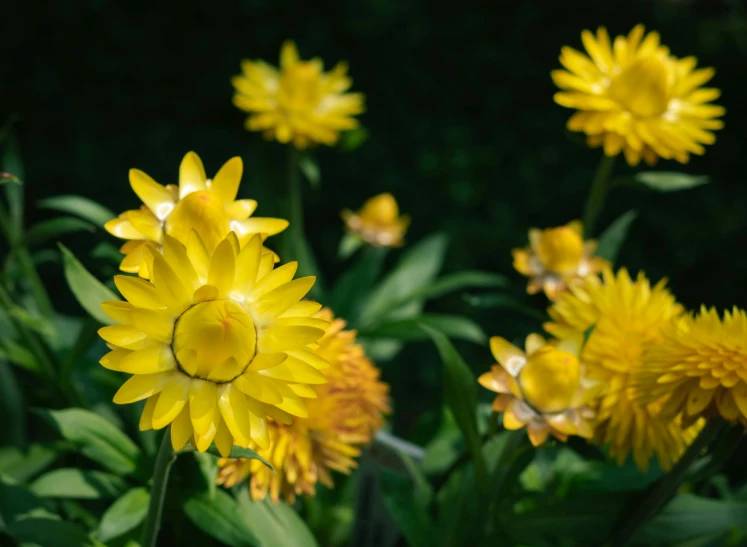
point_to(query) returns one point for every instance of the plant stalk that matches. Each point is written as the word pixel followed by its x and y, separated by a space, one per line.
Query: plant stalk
pixel 597 194
pixel 164 459
pixel 295 203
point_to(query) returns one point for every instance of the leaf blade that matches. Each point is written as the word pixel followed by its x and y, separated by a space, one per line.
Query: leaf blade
pixel 88 290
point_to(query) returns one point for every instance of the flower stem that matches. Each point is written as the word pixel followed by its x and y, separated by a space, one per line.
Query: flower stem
pixel 597 193
pixel 295 204
pixel 658 494
pixel 164 459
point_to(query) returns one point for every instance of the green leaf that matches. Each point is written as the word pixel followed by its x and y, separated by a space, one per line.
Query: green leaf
pixel 417 267
pixel 670 181
pixel 78 205
pixel 348 245
pixel 124 514
pixel 17 501
pixel 22 464
pixel 88 290
pixel 410 515
pixel 20 356
pixel 46 532
pixel 12 407
pixel 77 484
pixel 221 518
pixel 208 465
pixel 239 452
pixel 96 438
pixel 455 326
pixel 458 281
pixel 310 169
pixel 353 139
pixel 9 178
pixel 39 325
pixel 54 228
pixel 354 286
pixel 614 236
pixel 274 525
pixel 503 301
pixel 12 163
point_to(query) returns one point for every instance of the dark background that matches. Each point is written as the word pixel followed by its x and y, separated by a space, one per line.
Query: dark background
pixel 462 126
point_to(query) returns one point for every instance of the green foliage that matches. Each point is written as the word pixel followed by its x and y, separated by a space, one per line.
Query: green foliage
pixel 89 291
pixel 127 512
pixel 669 181
pixel 82 207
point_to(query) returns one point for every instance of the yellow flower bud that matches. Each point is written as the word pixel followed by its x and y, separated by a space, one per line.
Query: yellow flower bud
pixel 560 249
pixel 550 379
pixel 202 211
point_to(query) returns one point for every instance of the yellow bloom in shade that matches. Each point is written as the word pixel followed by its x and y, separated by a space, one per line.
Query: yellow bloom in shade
pixel 544 388
pixel 633 96
pixel 625 318
pixel 215 342
pixel 208 206
pixel 701 363
pixel 298 103
pixel 348 411
pixel 378 222
pixel 556 258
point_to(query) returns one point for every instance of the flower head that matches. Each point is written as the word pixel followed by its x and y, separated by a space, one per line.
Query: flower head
pixel 701 362
pixel 208 206
pixel 378 222
pixel 544 388
pixel 634 97
pixel 621 318
pixel 556 258
pixel 299 103
pixel 215 342
pixel 348 411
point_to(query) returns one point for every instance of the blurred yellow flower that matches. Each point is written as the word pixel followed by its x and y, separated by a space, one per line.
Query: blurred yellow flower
pixel 556 258
pixel 299 103
pixel 626 317
pixel 544 388
pixel 634 97
pixel 701 363
pixel 348 411
pixel 378 222
pixel 208 206
pixel 216 342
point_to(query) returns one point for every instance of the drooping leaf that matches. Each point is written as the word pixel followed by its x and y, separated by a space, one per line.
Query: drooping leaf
pixel 40 325
pixel 48 533
pixel 239 452
pixel 77 484
pixel 411 516
pixel 22 464
pixel 455 326
pixel 670 181
pixel 124 514
pixel 310 169
pixel 88 290
pixel 459 281
pixel 353 139
pixel 221 518
pixel 612 239
pixel 12 163
pixel 52 229
pixel 20 356
pixel 503 301
pixel 348 245
pixel 80 206
pixel 274 525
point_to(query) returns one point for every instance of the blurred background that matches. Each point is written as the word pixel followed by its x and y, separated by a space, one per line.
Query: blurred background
pixel 461 125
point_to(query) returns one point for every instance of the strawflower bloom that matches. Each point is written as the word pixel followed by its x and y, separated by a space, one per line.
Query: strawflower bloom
pixel 543 388
pixel 298 103
pixel 633 96
pixel 378 222
pixel 348 411
pixel 556 258
pixel 701 362
pixel 621 318
pixel 208 206
pixel 216 342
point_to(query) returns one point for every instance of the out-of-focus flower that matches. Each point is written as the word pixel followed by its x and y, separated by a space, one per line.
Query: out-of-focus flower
pixel 544 388
pixel 216 342
pixel 208 206
pixel 556 258
pixel 634 97
pixel 621 318
pixel 299 103
pixel 701 364
pixel 378 222
pixel 348 411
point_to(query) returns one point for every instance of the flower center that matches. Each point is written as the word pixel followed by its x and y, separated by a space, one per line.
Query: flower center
pixel 643 88
pixel 300 87
pixel 560 249
pixel 202 211
pixel 215 341
pixel 550 379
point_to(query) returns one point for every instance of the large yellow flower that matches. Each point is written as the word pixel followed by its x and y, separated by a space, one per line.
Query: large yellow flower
pixel 557 257
pixel 544 388
pixel 701 362
pixel 634 97
pixel 299 103
pixel 348 411
pixel 216 342
pixel 627 317
pixel 378 222
pixel 208 206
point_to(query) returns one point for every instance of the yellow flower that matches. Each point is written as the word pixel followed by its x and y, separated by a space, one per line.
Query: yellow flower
pixel 544 388
pixel 627 317
pixel 556 258
pixel 634 97
pixel 208 206
pixel 378 222
pixel 702 363
pixel 216 342
pixel 298 103
pixel 348 411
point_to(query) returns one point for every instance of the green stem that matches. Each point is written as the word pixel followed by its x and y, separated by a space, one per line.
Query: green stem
pixel 164 460
pixel 295 203
pixel 597 194
pixel 658 494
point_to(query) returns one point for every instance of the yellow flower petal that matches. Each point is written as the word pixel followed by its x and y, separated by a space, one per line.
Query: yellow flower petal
pixel 223 268
pixel 157 198
pixel 138 292
pixel 148 360
pixel 181 430
pixel 258 387
pixel 122 227
pixel 279 339
pixel 157 324
pixel 294 370
pixel 279 300
pixel 506 354
pixel 171 292
pixel 203 404
pixel 171 400
pixel 146 418
pixel 226 182
pixel 259 225
pixel 191 175
pixel 198 255
pixel 235 413
pixel 274 279
pixel 223 440
pixel 241 209
pixel 124 336
pixel 176 254
pixel 141 386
